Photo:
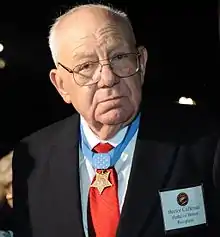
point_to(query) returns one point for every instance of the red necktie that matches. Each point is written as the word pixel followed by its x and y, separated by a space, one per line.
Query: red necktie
pixel 104 207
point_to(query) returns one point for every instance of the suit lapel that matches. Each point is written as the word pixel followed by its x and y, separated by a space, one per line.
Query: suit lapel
pixel 150 171
pixel 65 180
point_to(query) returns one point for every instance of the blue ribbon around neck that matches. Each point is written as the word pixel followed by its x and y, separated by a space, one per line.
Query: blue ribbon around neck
pixel 106 160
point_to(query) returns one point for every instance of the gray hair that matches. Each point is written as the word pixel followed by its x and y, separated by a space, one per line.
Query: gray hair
pixel 53 41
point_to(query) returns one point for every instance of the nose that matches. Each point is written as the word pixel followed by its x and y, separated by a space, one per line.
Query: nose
pixel 107 77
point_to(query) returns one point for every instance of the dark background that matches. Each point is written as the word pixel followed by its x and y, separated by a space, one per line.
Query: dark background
pixel 182 41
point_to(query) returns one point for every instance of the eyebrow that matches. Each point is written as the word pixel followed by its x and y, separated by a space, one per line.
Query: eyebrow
pixel 82 54
pixel 89 54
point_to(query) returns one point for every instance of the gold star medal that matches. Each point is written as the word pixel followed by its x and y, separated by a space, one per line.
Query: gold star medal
pixel 101 181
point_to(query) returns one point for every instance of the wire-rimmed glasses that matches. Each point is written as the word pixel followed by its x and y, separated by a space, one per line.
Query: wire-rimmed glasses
pixel 122 65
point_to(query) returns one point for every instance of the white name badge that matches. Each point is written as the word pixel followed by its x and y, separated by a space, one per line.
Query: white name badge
pixel 183 208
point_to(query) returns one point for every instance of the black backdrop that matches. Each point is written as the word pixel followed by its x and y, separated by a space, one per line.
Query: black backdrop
pixel 182 42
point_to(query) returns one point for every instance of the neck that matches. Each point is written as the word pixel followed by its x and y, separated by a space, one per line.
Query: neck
pixel 105 132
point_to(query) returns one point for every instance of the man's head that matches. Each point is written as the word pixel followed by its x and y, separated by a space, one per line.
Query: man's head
pixel 99 68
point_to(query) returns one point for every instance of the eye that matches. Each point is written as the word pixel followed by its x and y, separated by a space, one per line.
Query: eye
pixel 84 67
pixel 120 56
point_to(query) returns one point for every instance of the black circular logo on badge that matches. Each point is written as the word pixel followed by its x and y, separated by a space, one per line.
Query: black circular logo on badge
pixel 182 199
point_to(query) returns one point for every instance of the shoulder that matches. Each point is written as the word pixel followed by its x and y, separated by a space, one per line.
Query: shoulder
pixel 39 143
pixel 52 133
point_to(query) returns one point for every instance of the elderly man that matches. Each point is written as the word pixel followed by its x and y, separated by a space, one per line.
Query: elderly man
pixel 113 169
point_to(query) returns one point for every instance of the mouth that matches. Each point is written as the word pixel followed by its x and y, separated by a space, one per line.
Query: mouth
pixel 112 98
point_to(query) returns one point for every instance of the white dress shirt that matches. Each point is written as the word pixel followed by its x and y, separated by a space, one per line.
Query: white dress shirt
pixel 122 167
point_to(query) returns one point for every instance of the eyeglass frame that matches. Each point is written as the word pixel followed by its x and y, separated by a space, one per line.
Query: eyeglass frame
pixel 102 65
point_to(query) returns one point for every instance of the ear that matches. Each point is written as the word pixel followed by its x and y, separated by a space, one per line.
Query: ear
pixel 59 84
pixel 143 61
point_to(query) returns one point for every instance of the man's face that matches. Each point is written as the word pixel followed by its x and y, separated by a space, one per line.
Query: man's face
pixel 96 36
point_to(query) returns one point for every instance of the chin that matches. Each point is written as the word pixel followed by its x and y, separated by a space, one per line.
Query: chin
pixel 115 117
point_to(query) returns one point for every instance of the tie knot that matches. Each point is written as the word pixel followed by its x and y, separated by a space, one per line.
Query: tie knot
pixel 102 148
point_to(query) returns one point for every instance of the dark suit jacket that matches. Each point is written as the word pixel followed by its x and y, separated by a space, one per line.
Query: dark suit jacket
pixel 175 148
pixel 6 220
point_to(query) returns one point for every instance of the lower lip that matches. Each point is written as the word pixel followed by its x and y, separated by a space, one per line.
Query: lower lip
pixel 116 98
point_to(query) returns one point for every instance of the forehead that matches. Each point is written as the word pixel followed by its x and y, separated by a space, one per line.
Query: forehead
pixel 103 31
pixel 106 38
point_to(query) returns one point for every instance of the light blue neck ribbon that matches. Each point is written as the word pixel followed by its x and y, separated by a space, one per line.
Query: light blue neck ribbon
pixel 106 160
